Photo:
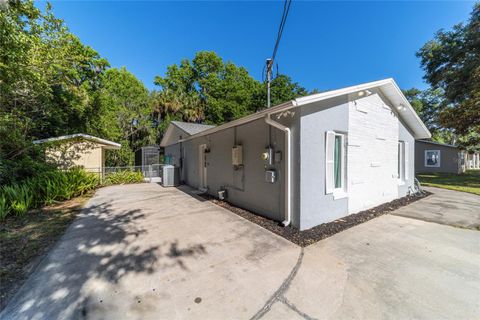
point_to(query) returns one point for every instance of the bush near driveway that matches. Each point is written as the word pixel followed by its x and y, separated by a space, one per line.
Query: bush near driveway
pixel 44 189
pixel 466 182
pixel 124 177
pixel 53 186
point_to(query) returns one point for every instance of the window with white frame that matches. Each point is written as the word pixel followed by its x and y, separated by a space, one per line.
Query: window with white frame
pixel 432 158
pixel 401 161
pixel 334 162
pixel 402 168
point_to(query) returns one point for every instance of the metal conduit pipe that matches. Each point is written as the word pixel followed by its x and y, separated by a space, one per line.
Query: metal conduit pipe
pixel 288 170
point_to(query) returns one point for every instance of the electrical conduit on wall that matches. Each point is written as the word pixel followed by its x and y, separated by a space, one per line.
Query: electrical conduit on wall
pixel 288 162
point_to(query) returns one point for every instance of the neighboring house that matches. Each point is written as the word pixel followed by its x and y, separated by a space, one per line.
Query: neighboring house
pixel 432 156
pixel 310 160
pixel 78 150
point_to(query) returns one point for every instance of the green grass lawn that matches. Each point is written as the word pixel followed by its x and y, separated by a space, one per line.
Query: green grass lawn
pixel 466 182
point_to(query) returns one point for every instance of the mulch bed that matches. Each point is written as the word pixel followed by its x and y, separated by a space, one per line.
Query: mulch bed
pixel 307 237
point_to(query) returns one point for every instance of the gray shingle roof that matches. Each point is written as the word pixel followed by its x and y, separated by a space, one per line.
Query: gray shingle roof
pixel 192 128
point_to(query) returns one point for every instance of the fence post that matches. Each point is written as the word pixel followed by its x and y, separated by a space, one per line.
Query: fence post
pixel 150 172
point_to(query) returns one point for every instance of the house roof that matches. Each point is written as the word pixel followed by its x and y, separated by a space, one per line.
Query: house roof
pixel 192 128
pixel 388 88
pixel 438 143
pixel 188 128
pixel 108 144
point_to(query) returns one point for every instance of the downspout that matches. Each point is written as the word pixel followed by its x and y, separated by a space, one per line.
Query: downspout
pixel 288 161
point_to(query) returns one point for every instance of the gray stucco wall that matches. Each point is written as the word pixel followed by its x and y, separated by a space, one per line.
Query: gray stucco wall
pixel 246 186
pixel 449 161
pixel 316 207
pixel 405 135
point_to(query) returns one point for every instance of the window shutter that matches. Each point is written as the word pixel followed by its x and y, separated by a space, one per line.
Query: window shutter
pixel 406 155
pixel 329 159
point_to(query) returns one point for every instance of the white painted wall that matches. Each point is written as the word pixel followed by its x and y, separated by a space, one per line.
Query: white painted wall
pixel 406 136
pixel 373 130
pixel 316 206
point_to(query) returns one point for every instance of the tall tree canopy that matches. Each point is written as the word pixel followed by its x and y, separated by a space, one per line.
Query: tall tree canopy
pixel 47 74
pixel 427 104
pixel 213 91
pixel 452 64
pixel 51 84
pixel 47 84
pixel 123 114
pixel 208 89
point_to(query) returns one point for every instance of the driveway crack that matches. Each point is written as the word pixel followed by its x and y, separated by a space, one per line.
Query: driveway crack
pixel 293 307
pixel 278 295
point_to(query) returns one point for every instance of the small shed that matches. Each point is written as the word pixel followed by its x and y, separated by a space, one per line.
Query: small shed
pixel 78 149
pixel 431 156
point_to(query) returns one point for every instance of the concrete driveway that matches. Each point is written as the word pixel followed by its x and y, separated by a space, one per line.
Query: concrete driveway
pixel 454 208
pixel 145 252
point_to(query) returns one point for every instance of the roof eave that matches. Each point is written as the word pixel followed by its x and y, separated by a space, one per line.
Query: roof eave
pixel 419 129
pixel 106 143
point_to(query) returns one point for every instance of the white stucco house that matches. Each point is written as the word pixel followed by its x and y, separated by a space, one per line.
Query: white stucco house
pixel 310 160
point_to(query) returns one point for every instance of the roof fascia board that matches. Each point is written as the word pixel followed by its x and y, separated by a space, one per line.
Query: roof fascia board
pixel 409 106
pixel 335 93
pixel 438 144
pixel 167 134
pixel 244 120
pixel 316 98
pixel 79 135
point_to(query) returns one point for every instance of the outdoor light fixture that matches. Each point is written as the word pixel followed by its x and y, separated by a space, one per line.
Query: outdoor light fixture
pixel 400 107
pixel 361 93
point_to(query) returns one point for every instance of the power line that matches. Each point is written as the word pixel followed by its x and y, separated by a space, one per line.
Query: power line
pixel 286 9
pixel 269 64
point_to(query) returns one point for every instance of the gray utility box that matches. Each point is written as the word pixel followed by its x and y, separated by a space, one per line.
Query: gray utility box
pixel 169 175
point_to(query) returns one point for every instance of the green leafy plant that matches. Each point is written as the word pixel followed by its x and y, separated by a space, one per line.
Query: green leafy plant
pixel 3 207
pixel 124 177
pixel 44 189
pixel 20 198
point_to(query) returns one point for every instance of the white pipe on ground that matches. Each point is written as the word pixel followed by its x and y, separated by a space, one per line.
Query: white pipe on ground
pixel 288 161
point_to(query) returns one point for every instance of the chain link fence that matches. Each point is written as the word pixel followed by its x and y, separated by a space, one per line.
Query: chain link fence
pixel 151 173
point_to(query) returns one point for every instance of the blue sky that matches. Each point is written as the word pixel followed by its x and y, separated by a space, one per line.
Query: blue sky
pixel 325 45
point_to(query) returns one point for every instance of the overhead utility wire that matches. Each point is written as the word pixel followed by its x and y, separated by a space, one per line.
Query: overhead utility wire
pixel 286 9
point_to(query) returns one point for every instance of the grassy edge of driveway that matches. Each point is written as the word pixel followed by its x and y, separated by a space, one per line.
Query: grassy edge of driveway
pixel 23 240
pixel 465 182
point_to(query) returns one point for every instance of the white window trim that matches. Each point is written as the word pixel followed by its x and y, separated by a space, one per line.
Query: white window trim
pixel 401 162
pixel 341 189
pixel 435 165
pixel 338 193
pixel 402 158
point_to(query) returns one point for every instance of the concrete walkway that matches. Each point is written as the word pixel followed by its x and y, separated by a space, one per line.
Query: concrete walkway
pixel 454 208
pixel 146 252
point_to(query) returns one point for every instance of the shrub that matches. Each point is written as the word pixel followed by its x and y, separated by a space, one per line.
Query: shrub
pixel 53 185
pixel 19 197
pixel 3 207
pixel 124 177
pixel 44 189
